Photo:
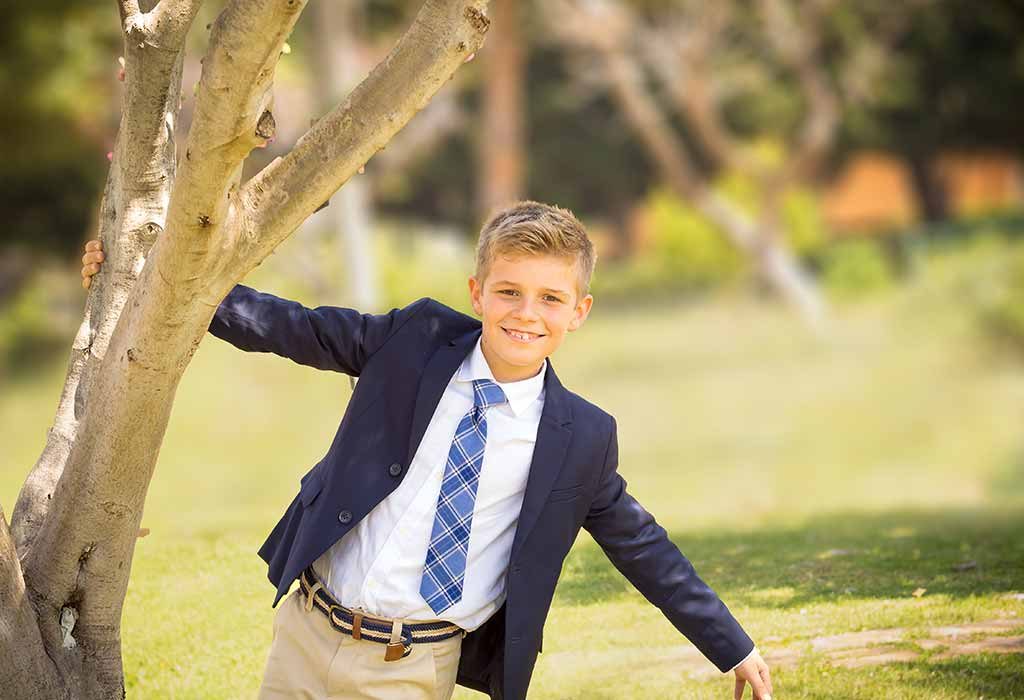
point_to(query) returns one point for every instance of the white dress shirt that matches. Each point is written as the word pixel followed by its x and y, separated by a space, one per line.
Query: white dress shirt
pixel 378 565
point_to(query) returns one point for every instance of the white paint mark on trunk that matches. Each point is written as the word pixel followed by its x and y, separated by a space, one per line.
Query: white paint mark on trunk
pixel 68 618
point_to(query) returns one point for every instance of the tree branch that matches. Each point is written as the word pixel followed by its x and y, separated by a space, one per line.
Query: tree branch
pixel 597 26
pixel 679 54
pixel 233 115
pixel 287 191
pixel 440 118
pixel 170 20
pixel 602 29
pixel 797 47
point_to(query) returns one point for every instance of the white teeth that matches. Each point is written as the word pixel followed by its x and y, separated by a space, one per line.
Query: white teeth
pixel 521 336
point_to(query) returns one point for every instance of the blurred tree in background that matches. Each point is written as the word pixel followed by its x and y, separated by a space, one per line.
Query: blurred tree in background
pixel 940 76
pixel 952 79
pixel 955 80
pixel 57 71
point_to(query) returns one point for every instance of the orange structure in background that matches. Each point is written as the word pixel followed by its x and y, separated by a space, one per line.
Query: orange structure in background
pixel 980 183
pixel 874 191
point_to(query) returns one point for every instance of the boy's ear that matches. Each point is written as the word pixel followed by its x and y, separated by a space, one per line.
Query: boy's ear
pixel 582 311
pixel 475 290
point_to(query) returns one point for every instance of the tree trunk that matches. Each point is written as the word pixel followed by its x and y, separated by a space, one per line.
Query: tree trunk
pixel 501 144
pixel 179 234
pixel 932 198
pixel 773 261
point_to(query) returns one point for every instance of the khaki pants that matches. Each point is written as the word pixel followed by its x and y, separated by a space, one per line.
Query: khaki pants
pixel 311 660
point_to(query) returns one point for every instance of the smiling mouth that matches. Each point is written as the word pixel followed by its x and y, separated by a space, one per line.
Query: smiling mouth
pixel 522 336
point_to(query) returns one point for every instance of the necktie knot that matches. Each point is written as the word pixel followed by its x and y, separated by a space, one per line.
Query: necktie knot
pixel 487 393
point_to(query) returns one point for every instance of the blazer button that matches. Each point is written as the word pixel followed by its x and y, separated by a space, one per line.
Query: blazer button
pixel 345 517
pixel 395 469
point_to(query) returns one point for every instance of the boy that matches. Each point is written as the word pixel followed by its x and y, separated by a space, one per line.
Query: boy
pixel 429 539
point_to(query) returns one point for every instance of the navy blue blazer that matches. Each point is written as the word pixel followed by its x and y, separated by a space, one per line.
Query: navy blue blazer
pixel 405 359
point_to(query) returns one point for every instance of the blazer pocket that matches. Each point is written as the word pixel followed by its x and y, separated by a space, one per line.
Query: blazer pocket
pixel 566 494
pixel 311 485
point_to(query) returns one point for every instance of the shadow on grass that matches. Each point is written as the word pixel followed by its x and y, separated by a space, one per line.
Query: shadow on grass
pixel 869 555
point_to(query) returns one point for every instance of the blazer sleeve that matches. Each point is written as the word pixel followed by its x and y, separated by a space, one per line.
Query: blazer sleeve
pixel 327 337
pixel 642 551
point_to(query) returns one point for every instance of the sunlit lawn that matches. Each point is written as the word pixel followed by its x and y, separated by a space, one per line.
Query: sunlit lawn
pixel 815 483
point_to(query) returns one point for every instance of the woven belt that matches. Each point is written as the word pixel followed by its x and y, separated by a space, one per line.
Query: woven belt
pixel 397 635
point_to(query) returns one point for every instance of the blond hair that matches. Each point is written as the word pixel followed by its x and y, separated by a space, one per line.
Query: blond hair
pixel 533 228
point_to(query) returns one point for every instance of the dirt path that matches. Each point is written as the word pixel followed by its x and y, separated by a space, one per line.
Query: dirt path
pixel 850 650
pixel 883 646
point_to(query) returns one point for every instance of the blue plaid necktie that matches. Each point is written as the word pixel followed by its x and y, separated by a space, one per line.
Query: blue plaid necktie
pixel 445 567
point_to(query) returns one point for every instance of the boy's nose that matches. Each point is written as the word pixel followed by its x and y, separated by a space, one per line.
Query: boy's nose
pixel 526 309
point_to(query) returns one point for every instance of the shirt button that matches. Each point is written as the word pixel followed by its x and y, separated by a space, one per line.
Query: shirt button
pixel 395 469
pixel 345 517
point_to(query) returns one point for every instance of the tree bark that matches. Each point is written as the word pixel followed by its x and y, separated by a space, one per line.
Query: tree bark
pixel 177 240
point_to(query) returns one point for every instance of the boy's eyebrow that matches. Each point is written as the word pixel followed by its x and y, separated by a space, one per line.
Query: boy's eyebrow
pixel 516 284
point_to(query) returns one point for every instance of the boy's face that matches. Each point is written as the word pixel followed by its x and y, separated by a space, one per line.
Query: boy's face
pixel 527 303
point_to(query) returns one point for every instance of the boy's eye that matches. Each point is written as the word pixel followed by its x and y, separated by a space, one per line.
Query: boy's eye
pixel 515 292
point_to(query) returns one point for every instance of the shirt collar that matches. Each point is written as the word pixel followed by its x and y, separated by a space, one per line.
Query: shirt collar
pixel 520 394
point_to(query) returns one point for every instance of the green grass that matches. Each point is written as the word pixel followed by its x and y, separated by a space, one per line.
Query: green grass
pixel 813 482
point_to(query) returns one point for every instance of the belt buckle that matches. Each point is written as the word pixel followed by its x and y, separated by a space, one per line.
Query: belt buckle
pixel 394 651
pixel 396 645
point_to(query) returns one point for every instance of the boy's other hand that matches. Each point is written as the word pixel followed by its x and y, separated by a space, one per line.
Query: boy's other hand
pixel 92 259
pixel 754 671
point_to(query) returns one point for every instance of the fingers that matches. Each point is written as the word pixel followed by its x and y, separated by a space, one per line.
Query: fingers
pixel 766 678
pixel 93 256
pixel 754 671
pixel 761 691
pixel 92 259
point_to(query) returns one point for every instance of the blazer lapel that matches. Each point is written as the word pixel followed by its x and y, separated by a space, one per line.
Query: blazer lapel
pixel 553 435
pixel 439 371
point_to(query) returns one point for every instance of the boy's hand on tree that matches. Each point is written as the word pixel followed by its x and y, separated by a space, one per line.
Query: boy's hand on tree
pixel 92 259
pixel 754 671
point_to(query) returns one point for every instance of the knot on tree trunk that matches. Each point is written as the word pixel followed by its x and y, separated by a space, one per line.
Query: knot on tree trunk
pixel 266 126
pixel 478 19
